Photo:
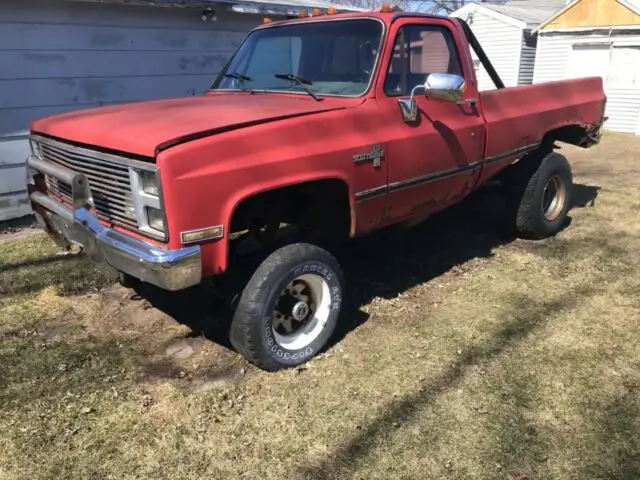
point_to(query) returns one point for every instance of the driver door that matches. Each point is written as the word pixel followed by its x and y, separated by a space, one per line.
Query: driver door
pixel 435 160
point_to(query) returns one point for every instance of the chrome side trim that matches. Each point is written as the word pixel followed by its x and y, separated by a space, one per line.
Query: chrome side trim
pixel 431 177
pixel 511 153
pixel 413 182
pixel 371 193
pixel 434 176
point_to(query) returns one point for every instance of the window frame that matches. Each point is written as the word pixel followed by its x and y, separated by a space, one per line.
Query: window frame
pixel 450 43
pixel 372 79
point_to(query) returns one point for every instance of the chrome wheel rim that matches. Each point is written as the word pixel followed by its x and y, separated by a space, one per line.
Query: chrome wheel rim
pixel 301 312
pixel 553 198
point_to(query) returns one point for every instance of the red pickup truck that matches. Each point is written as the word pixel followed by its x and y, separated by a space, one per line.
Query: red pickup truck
pixel 327 127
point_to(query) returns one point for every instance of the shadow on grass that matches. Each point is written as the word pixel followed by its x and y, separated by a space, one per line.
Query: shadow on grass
pixel 35 262
pixel 14 224
pixel 70 274
pixel 200 308
pixel 35 370
pixel 382 264
pixel 584 195
pixel 617 425
pixel 523 318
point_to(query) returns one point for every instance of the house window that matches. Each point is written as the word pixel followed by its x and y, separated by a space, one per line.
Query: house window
pixel 418 51
pixel 588 60
pixel 623 68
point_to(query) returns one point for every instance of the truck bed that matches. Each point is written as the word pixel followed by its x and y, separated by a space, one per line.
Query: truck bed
pixel 519 117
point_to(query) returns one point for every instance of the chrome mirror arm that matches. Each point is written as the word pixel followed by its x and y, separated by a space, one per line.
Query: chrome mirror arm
pixel 409 106
pixel 413 90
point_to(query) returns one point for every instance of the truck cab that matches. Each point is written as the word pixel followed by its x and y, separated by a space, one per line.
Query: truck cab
pixel 318 128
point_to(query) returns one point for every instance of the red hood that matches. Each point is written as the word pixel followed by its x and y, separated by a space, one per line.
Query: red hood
pixel 144 128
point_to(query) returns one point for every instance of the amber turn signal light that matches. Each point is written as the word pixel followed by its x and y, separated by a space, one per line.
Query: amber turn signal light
pixel 386 8
pixel 267 20
pixel 316 12
pixel 331 11
pixel 303 13
pixel 209 233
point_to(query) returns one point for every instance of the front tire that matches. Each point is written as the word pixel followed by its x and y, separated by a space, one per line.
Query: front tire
pixel 289 309
pixel 543 198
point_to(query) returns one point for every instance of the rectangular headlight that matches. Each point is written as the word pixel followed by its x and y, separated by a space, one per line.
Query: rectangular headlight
pixel 146 193
pixel 155 218
pixel 149 182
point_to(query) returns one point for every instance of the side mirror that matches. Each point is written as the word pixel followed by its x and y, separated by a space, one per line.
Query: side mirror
pixel 447 87
pixel 444 86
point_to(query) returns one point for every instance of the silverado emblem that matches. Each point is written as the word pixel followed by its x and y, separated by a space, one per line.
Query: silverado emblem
pixel 375 156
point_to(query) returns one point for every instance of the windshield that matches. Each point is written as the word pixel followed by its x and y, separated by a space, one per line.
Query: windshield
pixel 329 57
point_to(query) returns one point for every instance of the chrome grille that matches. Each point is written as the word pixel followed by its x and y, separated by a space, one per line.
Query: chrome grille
pixel 110 182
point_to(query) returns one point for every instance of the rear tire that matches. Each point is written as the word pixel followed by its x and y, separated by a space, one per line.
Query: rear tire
pixel 542 197
pixel 289 309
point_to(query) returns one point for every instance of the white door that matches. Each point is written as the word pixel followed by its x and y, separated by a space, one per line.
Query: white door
pixel 624 82
pixel 588 60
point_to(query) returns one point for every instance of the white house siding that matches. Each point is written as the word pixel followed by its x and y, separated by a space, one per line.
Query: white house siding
pixel 527 58
pixel 501 42
pixel 58 56
pixel 553 62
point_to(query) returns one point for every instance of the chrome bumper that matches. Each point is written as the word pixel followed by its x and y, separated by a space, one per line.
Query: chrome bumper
pixel 168 269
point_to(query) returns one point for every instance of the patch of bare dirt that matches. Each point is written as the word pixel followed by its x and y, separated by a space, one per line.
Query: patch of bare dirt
pixel 165 349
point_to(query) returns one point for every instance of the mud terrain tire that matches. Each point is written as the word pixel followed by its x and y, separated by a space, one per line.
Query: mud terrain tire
pixel 541 197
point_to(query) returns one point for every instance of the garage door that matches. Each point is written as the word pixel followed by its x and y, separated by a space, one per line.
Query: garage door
pixel 58 56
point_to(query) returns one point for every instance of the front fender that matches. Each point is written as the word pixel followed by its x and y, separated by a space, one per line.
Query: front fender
pixel 221 257
pixel 206 196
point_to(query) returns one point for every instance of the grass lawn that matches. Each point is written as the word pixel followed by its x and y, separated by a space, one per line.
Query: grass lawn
pixel 462 355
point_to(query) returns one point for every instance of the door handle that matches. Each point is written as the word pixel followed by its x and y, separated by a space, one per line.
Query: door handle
pixel 469 101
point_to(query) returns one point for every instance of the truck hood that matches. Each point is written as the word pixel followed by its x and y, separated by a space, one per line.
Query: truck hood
pixel 145 128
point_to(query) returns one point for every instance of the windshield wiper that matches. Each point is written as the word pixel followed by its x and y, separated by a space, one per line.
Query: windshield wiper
pixel 240 77
pixel 299 81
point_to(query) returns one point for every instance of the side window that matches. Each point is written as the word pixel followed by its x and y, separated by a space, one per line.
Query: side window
pixel 418 51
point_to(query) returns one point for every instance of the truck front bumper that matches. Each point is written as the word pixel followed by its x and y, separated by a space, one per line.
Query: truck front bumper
pixel 106 247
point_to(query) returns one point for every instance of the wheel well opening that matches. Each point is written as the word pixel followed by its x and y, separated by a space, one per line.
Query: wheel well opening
pixel 312 211
pixel 572 134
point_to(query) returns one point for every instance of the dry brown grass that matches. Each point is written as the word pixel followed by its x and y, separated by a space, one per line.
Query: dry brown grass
pixel 462 355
